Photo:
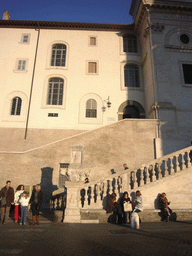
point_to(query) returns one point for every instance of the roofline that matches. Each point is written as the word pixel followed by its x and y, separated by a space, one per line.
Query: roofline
pixel 63 25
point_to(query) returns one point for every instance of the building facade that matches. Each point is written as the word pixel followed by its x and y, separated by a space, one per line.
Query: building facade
pixel 60 77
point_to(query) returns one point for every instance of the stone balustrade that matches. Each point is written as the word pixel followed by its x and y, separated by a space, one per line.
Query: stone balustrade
pixel 94 195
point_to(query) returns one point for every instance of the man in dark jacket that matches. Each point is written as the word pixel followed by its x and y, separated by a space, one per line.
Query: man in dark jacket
pixel 7 193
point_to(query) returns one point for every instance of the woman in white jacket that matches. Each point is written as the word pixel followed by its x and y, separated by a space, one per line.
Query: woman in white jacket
pixel 17 209
pixel 138 202
pixel 24 201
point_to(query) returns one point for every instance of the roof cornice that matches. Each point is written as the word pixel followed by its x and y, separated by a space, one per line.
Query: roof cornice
pixel 63 25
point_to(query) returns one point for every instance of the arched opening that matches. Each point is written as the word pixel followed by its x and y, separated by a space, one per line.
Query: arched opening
pixel 130 109
pixel 131 112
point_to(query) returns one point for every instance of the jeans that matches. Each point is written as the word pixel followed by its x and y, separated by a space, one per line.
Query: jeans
pixel 23 214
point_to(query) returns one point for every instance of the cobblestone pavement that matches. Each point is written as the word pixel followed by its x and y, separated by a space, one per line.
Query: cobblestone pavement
pixel 159 238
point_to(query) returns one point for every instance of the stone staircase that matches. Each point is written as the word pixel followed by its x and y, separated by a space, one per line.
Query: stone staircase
pixel 170 174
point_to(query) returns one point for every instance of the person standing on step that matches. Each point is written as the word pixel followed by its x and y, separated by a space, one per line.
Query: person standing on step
pixel 7 199
pixel 24 201
pixel 17 210
pixel 165 210
pixel 36 202
pixel 126 206
pixel 138 202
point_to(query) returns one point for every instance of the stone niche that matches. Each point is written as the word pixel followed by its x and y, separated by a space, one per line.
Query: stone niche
pixel 76 156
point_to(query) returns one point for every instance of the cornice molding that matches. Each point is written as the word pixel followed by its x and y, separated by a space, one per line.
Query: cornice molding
pixel 64 25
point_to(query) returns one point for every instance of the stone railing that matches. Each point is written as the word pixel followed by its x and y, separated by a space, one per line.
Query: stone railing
pixel 94 195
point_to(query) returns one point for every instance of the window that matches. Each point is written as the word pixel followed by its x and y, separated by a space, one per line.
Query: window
pixel 130 43
pixel 91 108
pixel 58 57
pixel 92 40
pixel 25 38
pixel 184 38
pixel 131 75
pixel 187 71
pixel 16 106
pixel 55 91
pixel 92 67
pixel 21 65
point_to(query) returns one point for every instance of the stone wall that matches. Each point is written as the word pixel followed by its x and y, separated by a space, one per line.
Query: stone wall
pixel 130 141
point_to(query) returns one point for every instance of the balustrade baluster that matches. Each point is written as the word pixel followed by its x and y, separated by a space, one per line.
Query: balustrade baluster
pixel 177 169
pixel 182 161
pixel 171 166
pixel 165 168
pixel 158 171
pixel 115 186
pixel 110 186
pixel 152 173
pixel 187 159
pixel 147 174
pixel 85 197
pixel 142 177
pixel 133 180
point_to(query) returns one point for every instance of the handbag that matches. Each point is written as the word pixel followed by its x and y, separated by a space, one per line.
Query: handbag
pixel 3 201
pixel 127 207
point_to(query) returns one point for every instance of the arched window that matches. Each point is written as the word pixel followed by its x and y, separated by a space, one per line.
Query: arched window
pixel 58 57
pixel 131 111
pixel 55 91
pixel 130 43
pixel 91 108
pixel 16 106
pixel 131 75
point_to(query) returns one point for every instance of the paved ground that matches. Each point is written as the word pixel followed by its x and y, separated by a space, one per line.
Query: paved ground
pixel 159 238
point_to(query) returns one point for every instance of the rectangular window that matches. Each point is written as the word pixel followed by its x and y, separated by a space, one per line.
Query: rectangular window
pixel 25 38
pixel 21 65
pixel 187 71
pixel 92 40
pixel 92 67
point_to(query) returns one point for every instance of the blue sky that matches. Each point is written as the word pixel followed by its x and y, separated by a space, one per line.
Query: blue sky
pixel 100 11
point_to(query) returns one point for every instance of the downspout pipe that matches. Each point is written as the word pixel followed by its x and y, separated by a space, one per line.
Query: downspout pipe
pixel 32 80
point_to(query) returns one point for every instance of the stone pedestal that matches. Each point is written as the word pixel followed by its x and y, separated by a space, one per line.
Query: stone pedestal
pixel 72 211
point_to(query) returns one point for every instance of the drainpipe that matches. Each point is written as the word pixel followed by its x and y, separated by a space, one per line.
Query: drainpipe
pixel 33 74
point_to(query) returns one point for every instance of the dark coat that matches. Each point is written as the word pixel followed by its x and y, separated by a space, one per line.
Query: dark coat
pixel 40 198
pixel 122 200
pixel 9 194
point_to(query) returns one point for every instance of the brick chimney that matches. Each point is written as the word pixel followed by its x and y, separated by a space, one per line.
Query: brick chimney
pixel 6 15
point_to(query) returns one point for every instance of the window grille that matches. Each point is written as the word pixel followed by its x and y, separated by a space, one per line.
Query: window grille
pixel 91 108
pixel 58 57
pixel 25 39
pixel 55 91
pixel 130 43
pixel 131 75
pixel 21 65
pixel 16 106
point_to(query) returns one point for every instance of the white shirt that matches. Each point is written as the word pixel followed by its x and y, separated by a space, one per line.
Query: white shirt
pixel 24 201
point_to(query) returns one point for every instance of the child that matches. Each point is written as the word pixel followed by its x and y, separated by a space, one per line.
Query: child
pixel 18 195
pixel 24 201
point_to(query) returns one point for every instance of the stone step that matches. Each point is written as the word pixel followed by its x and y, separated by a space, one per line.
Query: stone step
pixel 146 216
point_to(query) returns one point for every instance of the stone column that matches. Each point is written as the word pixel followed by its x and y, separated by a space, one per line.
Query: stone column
pixel 72 211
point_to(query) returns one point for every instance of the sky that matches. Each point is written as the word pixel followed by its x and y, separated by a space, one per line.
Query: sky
pixel 91 11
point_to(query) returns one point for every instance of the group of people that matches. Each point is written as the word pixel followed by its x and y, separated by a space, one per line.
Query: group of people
pixel 123 208
pixel 20 199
